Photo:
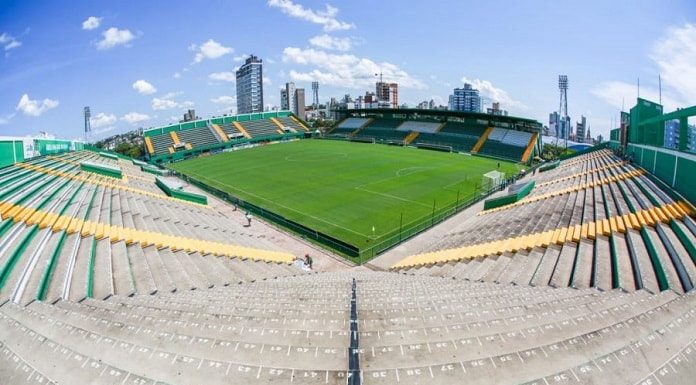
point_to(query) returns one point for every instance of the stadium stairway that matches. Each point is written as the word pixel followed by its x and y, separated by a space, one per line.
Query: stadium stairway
pixel 411 137
pixel 530 147
pixel 219 133
pixel 481 140
pixel 148 146
pixel 241 129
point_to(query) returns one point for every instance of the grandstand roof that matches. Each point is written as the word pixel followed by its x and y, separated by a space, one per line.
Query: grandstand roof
pixel 448 113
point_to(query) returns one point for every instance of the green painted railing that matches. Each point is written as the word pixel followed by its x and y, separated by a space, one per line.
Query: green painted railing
pixel 509 198
pixel 180 194
pixel 113 172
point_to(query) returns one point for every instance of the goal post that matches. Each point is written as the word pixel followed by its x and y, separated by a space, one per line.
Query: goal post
pixel 492 180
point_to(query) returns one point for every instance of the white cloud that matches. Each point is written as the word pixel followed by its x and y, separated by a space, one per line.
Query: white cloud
pixel 135 117
pixel 6 119
pixel 622 94
pixel 345 70
pixel 101 120
pixel 240 58
pixel 330 42
pixel 210 50
pixel 144 87
pixel 223 76
pixel 224 99
pixel 675 56
pixel 267 81
pixel 326 18
pixel 177 75
pixel 92 22
pixel 35 107
pixel 270 61
pixel 167 102
pixel 9 42
pixel 113 37
pixel 495 94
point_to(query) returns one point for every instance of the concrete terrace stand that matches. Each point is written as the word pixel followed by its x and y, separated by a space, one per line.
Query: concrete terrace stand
pixel 102 169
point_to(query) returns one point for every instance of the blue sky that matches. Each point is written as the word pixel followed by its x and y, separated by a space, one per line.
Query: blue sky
pixel 142 63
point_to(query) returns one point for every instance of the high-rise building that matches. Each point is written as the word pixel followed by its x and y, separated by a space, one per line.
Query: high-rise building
pixel 315 95
pixel 558 126
pixel 300 103
pixel 189 116
pixel 465 99
pixel 496 110
pixel 580 129
pixel 388 93
pixel 293 99
pixel 250 86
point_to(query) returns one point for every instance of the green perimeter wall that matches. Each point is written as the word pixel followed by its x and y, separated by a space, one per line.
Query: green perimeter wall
pixel 676 169
pixel 11 152
pixel 52 146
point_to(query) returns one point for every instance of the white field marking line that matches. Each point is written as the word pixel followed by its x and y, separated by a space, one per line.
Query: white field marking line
pixel 396 175
pixel 391 196
pixel 320 156
pixel 288 208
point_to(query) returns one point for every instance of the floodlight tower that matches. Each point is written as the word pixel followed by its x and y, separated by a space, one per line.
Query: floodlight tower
pixel 563 106
pixel 88 125
pixel 315 95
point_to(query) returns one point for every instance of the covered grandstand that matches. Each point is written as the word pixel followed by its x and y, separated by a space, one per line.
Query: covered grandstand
pixel 504 137
pixel 189 139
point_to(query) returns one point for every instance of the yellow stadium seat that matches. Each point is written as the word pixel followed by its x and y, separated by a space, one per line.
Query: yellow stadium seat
pixel 562 236
pixel 620 224
pixel 583 230
pixel 591 227
pixel 577 232
pixel 648 218
pixel 661 214
pixel 606 227
pixel 612 225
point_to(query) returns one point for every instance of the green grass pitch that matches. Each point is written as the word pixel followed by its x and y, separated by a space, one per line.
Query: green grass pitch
pixel 345 189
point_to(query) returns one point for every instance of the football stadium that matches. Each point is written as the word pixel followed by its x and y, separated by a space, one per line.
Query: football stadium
pixel 116 270
pixel 435 230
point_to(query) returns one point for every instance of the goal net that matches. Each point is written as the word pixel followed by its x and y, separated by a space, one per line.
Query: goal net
pixel 492 180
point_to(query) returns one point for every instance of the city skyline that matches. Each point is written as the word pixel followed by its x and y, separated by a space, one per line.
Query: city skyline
pixel 134 72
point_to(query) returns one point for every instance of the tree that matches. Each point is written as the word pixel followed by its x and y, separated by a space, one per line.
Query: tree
pixel 129 149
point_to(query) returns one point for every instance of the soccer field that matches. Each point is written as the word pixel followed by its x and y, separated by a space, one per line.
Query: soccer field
pixel 345 189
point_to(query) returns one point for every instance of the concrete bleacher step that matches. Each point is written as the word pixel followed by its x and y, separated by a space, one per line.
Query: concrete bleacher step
pixel 544 271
